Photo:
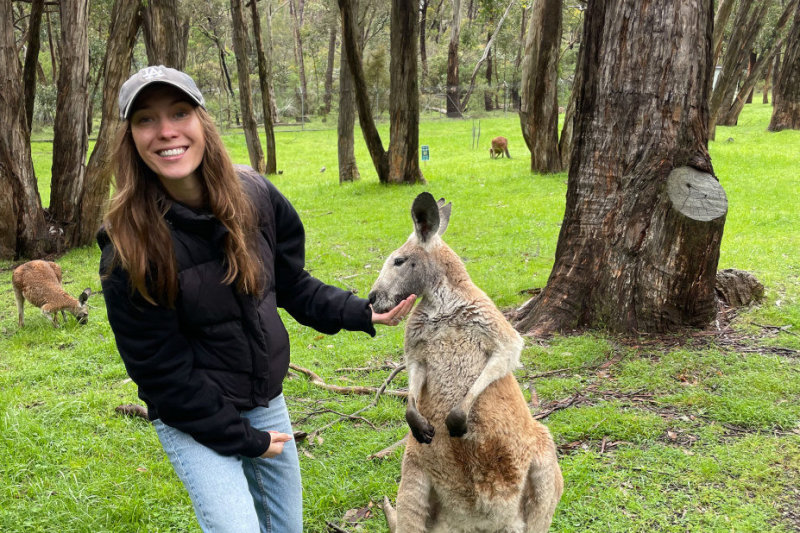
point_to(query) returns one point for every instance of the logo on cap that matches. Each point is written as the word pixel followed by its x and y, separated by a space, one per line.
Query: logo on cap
pixel 151 73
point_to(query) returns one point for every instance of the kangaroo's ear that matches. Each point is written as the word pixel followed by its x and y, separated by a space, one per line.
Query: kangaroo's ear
pixel 425 214
pixel 444 215
pixel 84 296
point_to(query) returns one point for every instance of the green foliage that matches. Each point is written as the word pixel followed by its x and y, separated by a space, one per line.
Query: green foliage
pixel 686 433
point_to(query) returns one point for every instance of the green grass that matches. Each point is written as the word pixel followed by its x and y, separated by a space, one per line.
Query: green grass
pixel 684 433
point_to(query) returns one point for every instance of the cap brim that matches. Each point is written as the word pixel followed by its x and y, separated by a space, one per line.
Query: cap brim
pixel 125 114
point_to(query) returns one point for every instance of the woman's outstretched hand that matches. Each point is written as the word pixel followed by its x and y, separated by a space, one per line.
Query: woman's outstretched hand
pixel 394 316
pixel 277 439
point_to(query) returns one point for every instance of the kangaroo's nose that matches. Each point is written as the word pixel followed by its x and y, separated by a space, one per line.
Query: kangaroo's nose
pixel 372 297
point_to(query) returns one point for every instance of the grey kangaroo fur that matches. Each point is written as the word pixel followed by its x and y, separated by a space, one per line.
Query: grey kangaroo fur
pixel 39 282
pixel 478 461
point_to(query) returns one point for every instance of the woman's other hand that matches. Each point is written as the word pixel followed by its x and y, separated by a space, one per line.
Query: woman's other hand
pixel 394 316
pixel 277 439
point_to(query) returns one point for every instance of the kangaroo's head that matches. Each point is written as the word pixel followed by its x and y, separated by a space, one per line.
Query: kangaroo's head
pixel 412 268
pixel 82 312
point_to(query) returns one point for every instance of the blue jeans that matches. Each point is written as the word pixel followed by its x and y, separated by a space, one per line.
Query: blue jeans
pixel 234 494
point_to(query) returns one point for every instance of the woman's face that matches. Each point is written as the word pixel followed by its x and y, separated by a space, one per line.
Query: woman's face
pixel 168 136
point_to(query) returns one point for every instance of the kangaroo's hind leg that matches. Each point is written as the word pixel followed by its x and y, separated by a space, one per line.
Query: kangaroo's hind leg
pixel 20 305
pixel 415 505
pixel 542 491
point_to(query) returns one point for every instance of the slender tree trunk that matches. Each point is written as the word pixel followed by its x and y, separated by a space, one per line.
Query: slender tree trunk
pixel 245 92
pixel 786 87
pixel 568 130
pixel 767 81
pixel 223 65
pixel 265 79
pixel 70 135
pixel 372 138
pixel 126 18
pixel 720 20
pixel 731 116
pixel 453 91
pixel 488 104
pixel 326 98
pixel 166 33
pixel 539 110
pixel 348 168
pixel 639 244
pixel 515 84
pixel 54 59
pixel 750 68
pixel 423 51
pixel 404 101
pixel 296 11
pixel 32 58
pixel 22 225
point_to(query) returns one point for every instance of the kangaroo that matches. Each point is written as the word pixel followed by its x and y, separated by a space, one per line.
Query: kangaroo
pixel 478 461
pixel 499 147
pixel 39 282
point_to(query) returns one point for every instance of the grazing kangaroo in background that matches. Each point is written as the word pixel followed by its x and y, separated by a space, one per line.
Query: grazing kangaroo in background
pixel 39 282
pixel 499 147
pixel 478 461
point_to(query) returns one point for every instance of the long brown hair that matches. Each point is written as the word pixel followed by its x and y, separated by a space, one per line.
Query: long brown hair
pixel 137 228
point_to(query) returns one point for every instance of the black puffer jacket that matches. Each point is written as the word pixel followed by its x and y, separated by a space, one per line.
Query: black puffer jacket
pixel 219 352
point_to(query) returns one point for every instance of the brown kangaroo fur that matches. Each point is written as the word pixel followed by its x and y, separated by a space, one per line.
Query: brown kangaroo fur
pixel 499 147
pixel 39 282
pixel 478 461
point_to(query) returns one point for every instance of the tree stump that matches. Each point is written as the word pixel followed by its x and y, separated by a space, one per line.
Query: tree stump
pixel 738 288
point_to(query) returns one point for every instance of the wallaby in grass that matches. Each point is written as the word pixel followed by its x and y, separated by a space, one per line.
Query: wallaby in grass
pixel 499 147
pixel 39 282
pixel 478 461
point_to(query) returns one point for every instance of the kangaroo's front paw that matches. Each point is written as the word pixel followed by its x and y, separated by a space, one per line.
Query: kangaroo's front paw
pixel 456 422
pixel 420 427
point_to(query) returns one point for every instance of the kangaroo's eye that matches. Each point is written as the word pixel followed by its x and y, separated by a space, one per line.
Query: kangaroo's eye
pixel 399 261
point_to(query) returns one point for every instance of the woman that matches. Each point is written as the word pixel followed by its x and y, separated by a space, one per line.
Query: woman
pixel 197 256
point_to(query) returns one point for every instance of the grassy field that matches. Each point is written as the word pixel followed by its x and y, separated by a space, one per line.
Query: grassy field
pixel 694 432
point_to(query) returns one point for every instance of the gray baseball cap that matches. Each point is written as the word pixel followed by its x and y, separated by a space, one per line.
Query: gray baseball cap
pixel 156 74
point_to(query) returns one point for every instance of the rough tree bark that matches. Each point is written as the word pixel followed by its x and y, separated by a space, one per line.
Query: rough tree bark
pixel 70 132
pixel 404 104
pixel 126 18
pixel 348 168
pixel 32 57
pixel 538 112
pixel 22 225
pixel 786 87
pixel 639 243
pixel 265 80
pixel 453 91
pixel 166 33
pixel 245 94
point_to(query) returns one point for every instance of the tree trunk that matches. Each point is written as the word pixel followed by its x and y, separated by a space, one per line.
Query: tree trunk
pixel 786 87
pixel 166 33
pixel 453 91
pixel 746 26
pixel 404 100
pixel 54 59
pixel 538 112
pixel 372 138
pixel 70 135
pixel 223 65
pixel 720 20
pixel 22 225
pixel 245 93
pixel 32 58
pixel 568 130
pixel 326 98
pixel 423 51
pixel 265 79
pixel 750 68
pixel 639 243
pixel 767 81
pixel 348 168
pixel 296 11
pixel 126 17
pixel 515 84
pixel 488 103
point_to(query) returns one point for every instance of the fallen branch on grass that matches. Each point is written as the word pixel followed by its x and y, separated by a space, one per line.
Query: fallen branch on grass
pixel 339 389
pixel 389 449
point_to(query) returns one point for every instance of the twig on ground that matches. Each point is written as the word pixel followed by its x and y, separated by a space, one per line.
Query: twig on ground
pixel 389 449
pixel 318 381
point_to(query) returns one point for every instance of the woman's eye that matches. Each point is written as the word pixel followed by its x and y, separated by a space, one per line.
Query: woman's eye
pixel 399 261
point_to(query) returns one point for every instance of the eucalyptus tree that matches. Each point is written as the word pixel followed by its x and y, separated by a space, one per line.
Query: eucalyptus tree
pixel 265 80
pixel 453 91
pixel 639 243
pixel 786 92
pixel 166 33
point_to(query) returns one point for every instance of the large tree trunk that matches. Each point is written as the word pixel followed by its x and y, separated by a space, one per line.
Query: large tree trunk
pixel 639 243
pixel 296 11
pixel 32 57
pixel 348 168
pixel 538 112
pixel 372 138
pixel 404 101
pixel 22 225
pixel 746 26
pixel 166 33
pixel 453 91
pixel 245 93
pixel 126 18
pixel 70 135
pixel 265 79
pixel 786 87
